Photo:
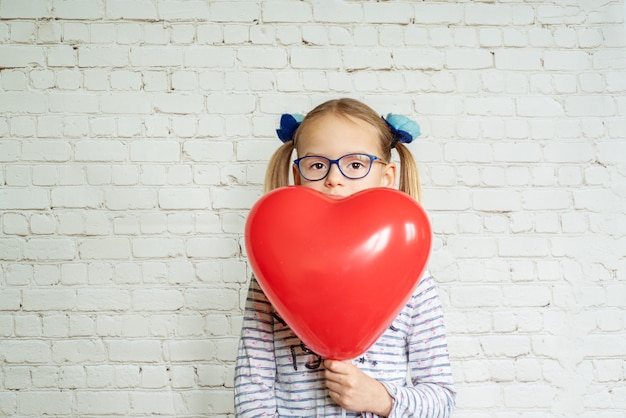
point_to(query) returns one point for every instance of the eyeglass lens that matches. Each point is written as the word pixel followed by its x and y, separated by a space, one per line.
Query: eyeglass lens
pixel 352 166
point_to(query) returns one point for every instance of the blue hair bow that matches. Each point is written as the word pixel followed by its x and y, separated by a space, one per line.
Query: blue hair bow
pixel 403 129
pixel 288 125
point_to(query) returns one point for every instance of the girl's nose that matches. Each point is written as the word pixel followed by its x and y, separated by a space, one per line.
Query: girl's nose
pixel 334 176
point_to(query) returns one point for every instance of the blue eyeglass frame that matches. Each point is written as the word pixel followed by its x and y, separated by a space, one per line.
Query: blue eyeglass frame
pixel 372 158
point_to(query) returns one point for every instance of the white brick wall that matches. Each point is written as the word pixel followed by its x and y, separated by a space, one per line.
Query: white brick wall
pixel 134 137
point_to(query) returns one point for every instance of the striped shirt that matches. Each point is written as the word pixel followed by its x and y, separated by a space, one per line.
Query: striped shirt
pixel 278 376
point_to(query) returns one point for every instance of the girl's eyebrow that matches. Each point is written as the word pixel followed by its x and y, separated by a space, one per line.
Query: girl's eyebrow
pixel 313 154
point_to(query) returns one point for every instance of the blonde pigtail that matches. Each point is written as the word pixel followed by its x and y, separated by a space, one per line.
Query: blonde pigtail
pixel 277 174
pixel 409 173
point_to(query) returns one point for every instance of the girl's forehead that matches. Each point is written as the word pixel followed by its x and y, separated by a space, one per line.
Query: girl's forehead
pixel 339 126
pixel 338 135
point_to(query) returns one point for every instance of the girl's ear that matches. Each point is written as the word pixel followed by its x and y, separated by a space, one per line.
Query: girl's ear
pixel 389 175
pixel 296 175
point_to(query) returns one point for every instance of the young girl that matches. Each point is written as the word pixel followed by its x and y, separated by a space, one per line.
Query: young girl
pixel 343 147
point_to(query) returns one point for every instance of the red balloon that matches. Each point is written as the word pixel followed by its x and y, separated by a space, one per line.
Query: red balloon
pixel 337 271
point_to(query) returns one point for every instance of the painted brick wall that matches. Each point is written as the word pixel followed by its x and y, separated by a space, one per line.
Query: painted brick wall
pixel 134 138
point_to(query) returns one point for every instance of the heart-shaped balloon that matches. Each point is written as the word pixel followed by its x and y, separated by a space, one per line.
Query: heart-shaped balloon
pixel 337 271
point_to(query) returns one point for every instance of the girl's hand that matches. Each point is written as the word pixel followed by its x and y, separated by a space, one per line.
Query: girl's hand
pixel 354 390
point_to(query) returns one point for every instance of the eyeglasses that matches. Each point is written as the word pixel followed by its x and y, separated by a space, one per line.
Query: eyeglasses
pixel 352 166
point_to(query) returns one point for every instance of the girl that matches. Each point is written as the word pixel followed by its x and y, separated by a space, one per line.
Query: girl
pixel 343 147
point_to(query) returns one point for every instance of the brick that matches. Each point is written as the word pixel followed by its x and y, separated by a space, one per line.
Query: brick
pixel 438 13
pixel 488 14
pixel 255 150
pixel 523 14
pixel 317 58
pixel 209 34
pixel 13 80
pixel 25 351
pixel 438 104
pixel 569 152
pixel 125 80
pixel 22 102
pixel 506 345
pixel 519 246
pixel 99 376
pixel 286 12
pixel 126 376
pixel 230 104
pixel 555 14
pixel 609 152
pixel 23 126
pixel 129 103
pixel 10 300
pixel 17 198
pixel 517 396
pixel 10 249
pixel 154 151
pixel 225 11
pixel 234 199
pixel 101 56
pixel 102 403
pixel 183 34
pixel 566 60
pixel 338 12
pixel 191 350
pixel 483 396
pixel 153 403
pixel 78 351
pixel 476 296
pixel 606 14
pixel 388 13
pixel 211 247
pixel 57 299
pixel 9 151
pixel 122 199
pixel 517 152
pixel 518 59
pixel 502 200
pixel 184 199
pixel 41 403
pixel 467 152
pixel 48 32
pixel 272 58
pixel 76 197
pixel 597 200
pixel 609 59
pixel 148 56
pixel 417 59
pixel 16 378
pixel 539 107
pixel 109 248
pixel 178 103
pixel 468 59
pixel 546 199
pixel 131 10
pixel 73 103
pixel 490 106
pixel 48 249
pixel 157 247
pixel 36 9
pixel 183 126
pixel 527 296
pixel 100 150
pixel 209 57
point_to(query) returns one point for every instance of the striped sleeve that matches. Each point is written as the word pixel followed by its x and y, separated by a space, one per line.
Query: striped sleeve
pixel 432 391
pixel 255 369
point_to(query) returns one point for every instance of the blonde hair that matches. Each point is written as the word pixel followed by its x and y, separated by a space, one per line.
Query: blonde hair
pixel 279 167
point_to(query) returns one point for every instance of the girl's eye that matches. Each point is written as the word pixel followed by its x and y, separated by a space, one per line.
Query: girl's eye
pixel 356 165
pixel 317 166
